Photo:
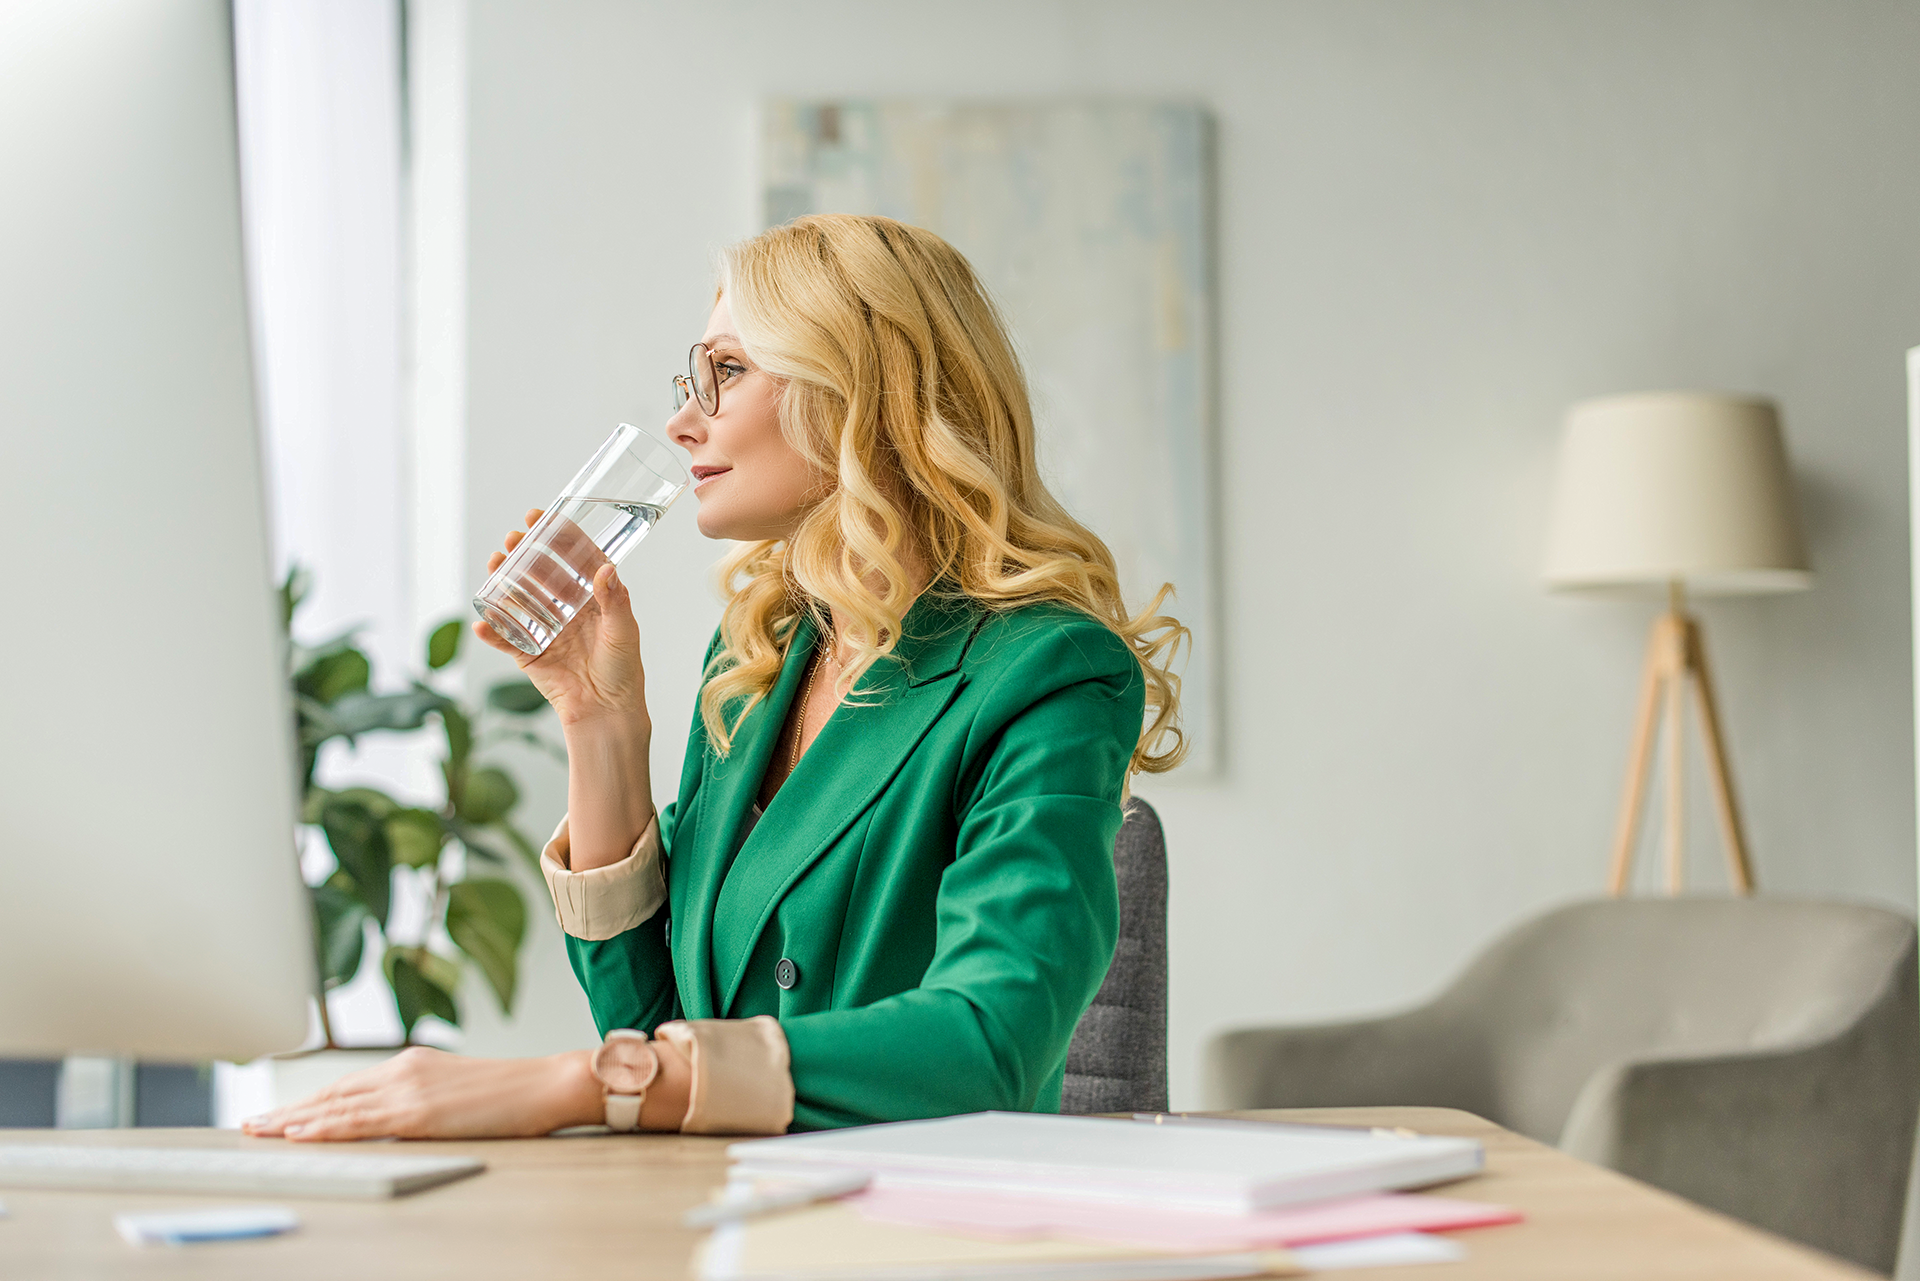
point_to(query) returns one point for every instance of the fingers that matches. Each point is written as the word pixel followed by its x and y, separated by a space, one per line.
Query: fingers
pixel 533 516
pixel 345 1122
pixel 607 587
pixel 484 633
pixel 616 606
pixel 511 541
pixel 348 1091
pixel 619 632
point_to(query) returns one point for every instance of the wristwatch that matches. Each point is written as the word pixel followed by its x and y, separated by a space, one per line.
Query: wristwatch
pixel 625 1066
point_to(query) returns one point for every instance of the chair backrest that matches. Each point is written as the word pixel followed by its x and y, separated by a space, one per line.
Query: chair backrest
pixel 1599 981
pixel 1117 1061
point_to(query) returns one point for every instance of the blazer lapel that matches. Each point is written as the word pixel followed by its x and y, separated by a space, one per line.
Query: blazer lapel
pixel 732 783
pixel 859 750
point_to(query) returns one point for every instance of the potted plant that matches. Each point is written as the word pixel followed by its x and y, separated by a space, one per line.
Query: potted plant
pixel 454 852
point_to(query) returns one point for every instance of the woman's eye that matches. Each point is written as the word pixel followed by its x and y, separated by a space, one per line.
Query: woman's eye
pixel 729 370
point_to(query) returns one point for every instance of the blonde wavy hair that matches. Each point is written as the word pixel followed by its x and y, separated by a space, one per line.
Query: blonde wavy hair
pixel 901 385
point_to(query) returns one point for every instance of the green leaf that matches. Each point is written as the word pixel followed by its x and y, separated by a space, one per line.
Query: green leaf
pixel 375 802
pixel 341 932
pixel 477 842
pixel 360 713
pixel 459 736
pixel 415 836
pixel 315 800
pixel 518 697
pixel 316 721
pixel 488 796
pixel 292 592
pixel 487 919
pixel 333 676
pixel 444 644
pixel 359 841
pixel 305 656
pixel 421 985
pixel 528 850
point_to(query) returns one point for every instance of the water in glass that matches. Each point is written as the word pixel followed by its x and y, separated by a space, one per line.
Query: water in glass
pixel 548 578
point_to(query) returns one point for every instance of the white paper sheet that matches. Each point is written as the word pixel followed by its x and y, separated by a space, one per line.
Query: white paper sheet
pixel 1392 1250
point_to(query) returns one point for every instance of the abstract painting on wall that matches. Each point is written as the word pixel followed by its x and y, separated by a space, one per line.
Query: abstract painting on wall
pixel 1090 224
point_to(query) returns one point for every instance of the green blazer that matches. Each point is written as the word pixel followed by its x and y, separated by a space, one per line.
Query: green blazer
pixel 928 904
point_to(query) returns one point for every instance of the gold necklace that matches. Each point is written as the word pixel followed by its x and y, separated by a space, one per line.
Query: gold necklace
pixel 806 698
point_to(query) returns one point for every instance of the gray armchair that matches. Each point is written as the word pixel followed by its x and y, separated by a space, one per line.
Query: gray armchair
pixel 1759 1056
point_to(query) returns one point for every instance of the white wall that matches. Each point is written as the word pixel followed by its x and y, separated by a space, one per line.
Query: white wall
pixel 1439 222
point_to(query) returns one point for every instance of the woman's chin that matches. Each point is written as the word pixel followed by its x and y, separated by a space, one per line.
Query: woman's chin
pixel 718 523
pixel 714 524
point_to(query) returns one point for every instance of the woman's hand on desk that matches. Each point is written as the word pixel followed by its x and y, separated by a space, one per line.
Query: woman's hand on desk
pixel 423 1093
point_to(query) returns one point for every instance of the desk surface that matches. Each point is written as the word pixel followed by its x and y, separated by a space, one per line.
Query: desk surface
pixel 610 1206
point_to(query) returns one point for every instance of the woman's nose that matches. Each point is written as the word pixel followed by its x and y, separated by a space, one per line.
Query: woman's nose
pixel 688 426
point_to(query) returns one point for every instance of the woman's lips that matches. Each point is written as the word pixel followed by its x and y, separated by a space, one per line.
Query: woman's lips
pixel 701 475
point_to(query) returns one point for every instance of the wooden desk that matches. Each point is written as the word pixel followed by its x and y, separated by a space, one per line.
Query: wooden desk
pixel 609 1207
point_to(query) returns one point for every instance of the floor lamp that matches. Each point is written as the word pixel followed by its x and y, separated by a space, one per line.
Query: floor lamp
pixel 1675 492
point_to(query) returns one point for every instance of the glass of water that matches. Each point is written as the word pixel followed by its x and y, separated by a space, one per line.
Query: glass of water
pixel 617 497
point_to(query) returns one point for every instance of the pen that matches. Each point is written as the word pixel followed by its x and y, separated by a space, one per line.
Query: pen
pixel 1187 1118
pixel 737 1203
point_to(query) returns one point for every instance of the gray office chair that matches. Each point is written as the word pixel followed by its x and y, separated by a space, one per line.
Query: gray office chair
pixel 1758 1056
pixel 1117 1061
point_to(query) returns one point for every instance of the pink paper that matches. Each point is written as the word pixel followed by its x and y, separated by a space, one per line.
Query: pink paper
pixel 1004 1217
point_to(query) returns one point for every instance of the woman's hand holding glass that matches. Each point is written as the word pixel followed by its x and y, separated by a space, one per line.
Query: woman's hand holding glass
pixel 591 671
pixel 592 675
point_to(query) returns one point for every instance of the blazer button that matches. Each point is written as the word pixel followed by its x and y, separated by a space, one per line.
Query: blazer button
pixel 786 974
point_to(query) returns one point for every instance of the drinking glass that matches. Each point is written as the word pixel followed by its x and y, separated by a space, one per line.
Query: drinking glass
pixel 616 498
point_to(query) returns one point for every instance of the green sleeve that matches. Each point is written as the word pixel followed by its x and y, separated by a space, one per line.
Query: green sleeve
pixel 629 978
pixel 1027 914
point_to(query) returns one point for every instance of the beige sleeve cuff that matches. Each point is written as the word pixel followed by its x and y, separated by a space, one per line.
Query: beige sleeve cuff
pixel 604 902
pixel 742 1077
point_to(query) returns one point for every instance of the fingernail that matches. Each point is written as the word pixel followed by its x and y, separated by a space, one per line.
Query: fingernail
pixel 293 1130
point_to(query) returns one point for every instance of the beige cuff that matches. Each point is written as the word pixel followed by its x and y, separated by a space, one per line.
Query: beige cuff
pixel 604 902
pixel 742 1076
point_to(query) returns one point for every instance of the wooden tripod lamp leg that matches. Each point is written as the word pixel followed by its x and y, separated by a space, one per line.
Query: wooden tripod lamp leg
pixel 1738 863
pixel 1676 771
pixel 1627 827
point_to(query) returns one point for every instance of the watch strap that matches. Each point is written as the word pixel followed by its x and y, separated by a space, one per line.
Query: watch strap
pixel 623 1112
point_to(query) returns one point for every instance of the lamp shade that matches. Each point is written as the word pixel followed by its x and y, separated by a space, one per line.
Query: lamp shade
pixel 1663 486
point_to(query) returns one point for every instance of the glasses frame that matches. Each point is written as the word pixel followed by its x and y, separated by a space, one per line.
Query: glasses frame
pixel 687 386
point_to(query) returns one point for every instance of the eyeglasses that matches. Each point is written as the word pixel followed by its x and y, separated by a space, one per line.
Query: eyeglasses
pixel 701 382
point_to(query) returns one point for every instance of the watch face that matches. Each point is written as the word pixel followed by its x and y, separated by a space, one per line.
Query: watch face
pixel 625 1064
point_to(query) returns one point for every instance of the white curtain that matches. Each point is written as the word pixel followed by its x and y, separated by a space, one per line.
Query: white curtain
pixel 323 177
pixel 321 144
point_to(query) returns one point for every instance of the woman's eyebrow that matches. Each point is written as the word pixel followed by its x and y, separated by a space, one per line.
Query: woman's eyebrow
pixel 717 339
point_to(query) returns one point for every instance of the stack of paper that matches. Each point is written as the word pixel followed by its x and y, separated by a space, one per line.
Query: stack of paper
pixel 834 1243
pixel 1021 1218
pixel 1020 1197
pixel 1230 1168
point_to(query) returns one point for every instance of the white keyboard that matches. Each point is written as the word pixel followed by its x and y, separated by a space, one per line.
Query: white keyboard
pixel 263 1173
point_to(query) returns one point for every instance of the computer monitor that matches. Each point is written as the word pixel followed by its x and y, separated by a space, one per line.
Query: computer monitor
pixel 150 902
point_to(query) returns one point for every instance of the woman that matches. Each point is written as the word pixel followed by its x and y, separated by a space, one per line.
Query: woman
pixel 885 889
